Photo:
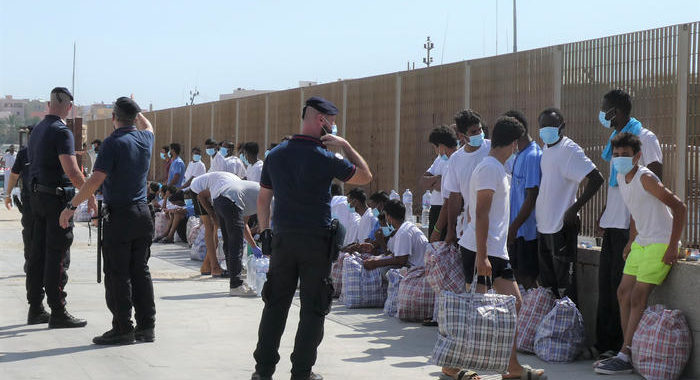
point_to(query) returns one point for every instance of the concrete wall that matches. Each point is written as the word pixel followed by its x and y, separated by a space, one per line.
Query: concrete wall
pixel 679 291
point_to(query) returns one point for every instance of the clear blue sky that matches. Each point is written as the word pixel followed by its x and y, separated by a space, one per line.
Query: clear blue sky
pixel 159 50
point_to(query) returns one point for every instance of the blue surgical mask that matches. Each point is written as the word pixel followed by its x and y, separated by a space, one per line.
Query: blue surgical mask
pixel 387 230
pixel 196 157
pixel 476 140
pixel 459 144
pixel 601 118
pixel 245 160
pixel 444 157
pixel 352 209
pixel 211 151
pixel 549 135
pixel 162 156
pixel 223 151
pixel 169 155
pixel 188 202
pixel 623 165
pixel 375 212
pixel 267 152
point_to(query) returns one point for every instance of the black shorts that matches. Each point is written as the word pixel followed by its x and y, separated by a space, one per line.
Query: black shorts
pixel 500 268
pixel 523 257
pixel 198 209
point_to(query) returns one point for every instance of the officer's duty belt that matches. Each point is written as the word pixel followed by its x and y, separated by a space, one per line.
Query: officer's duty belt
pixel 59 191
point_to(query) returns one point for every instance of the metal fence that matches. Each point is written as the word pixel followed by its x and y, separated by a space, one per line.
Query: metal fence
pixel 388 117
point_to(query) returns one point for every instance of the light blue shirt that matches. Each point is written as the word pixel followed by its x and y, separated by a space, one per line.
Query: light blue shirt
pixel 177 167
pixel 526 175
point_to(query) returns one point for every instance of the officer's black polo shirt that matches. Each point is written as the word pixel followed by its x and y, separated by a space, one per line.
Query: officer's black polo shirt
pixel 125 158
pixel 50 138
pixel 299 172
pixel 21 168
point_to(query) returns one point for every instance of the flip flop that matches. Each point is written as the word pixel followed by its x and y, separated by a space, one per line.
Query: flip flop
pixel 530 374
pixel 463 374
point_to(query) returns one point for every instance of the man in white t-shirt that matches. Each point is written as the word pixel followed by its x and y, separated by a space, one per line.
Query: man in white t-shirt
pixel 461 165
pixel 442 139
pixel 233 164
pixel 484 243
pixel 615 219
pixel 254 165
pixel 216 158
pixel 564 165
pixel 408 244
pixel 8 160
pixel 195 168
pixel 448 147
pixel 357 200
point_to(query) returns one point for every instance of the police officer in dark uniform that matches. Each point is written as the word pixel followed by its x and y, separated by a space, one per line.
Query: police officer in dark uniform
pixel 298 173
pixel 121 168
pixel 52 174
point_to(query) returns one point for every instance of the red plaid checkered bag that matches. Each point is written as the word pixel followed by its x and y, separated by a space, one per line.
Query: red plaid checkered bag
pixel 416 299
pixel 443 268
pixel 662 344
pixel 536 304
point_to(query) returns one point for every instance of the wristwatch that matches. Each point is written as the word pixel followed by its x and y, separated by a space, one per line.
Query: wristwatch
pixel 71 207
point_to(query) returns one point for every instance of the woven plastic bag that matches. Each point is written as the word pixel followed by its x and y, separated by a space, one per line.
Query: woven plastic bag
pixel 82 214
pixel 394 277
pixel 476 331
pixel 161 224
pixel 662 344
pixel 443 268
pixel 361 287
pixel 337 274
pixel 193 226
pixel 416 299
pixel 199 247
pixel 561 334
pixel 537 303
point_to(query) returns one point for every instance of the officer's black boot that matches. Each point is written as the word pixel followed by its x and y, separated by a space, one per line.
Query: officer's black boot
pixel 61 319
pixel 37 315
pixel 144 335
pixel 312 376
pixel 115 337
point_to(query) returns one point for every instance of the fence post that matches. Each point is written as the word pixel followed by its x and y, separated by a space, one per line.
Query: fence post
pixel 397 137
pixel 557 62
pixel 212 120
pixel 301 101
pixel 683 60
pixel 172 116
pixel 155 147
pixel 345 108
pixel 267 121
pixel 238 111
pixel 189 137
pixel 467 84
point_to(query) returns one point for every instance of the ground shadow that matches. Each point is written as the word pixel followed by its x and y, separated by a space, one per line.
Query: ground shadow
pixel 16 333
pixel 19 356
pixel 198 296
pixel 177 254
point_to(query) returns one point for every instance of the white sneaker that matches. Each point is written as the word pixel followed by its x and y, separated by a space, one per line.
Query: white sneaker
pixel 242 291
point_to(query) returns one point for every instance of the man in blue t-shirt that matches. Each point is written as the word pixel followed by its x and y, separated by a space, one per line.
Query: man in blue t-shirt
pixel 121 168
pixel 298 173
pixel 522 233
pixel 176 173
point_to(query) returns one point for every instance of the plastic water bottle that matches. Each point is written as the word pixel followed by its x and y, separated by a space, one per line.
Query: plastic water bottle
pixel 394 195
pixel 262 265
pixel 425 214
pixel 408 203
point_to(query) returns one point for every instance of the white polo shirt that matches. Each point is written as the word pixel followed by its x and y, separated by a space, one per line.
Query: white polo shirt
pixel 438 168
pixel 616 214
pixel 564 166
pixel 254 171
pixel 490 174
pixel 215 182
pixel 410 241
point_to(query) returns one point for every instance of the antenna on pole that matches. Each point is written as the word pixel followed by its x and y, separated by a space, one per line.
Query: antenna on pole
pixel 428 46
pixel 515 29
pixel 193 94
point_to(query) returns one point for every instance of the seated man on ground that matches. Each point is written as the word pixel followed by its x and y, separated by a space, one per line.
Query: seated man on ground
pixel 656 225
pixel 174 208
pixel 408 245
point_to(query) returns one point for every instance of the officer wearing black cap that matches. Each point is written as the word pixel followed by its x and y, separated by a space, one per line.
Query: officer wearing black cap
pixel 298 172
pixel 53 173
pixel 121 168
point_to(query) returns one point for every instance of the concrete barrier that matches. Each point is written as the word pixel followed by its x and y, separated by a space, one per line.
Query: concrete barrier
pixel 679 291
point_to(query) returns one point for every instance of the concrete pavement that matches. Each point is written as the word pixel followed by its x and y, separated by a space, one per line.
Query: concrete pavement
pixel 201 332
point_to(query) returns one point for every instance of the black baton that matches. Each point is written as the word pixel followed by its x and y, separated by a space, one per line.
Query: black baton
pixel 99 241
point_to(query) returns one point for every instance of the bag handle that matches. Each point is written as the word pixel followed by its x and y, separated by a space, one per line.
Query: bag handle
pixel 475 279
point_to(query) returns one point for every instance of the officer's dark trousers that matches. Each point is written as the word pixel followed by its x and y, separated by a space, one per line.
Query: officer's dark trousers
pixel 27 233
pixel 127 248
pixel 49 256
pixel 557 254
pixel 295 255
pixel 232 228
pixel 608 326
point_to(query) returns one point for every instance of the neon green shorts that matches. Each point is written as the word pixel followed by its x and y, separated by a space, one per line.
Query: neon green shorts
pixel 646 263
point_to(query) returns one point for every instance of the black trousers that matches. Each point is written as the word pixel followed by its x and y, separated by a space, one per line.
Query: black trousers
pixel 433 218
pixel 27 233
pixel 296 255
pixel 49 256
pixel 232 228
pixel 608 326
pixel 557 255
pixel 127 248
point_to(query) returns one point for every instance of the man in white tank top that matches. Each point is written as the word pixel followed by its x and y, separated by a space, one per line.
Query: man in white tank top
pixel 656 224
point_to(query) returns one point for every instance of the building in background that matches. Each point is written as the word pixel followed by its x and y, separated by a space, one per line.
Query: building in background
pixel 241 93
